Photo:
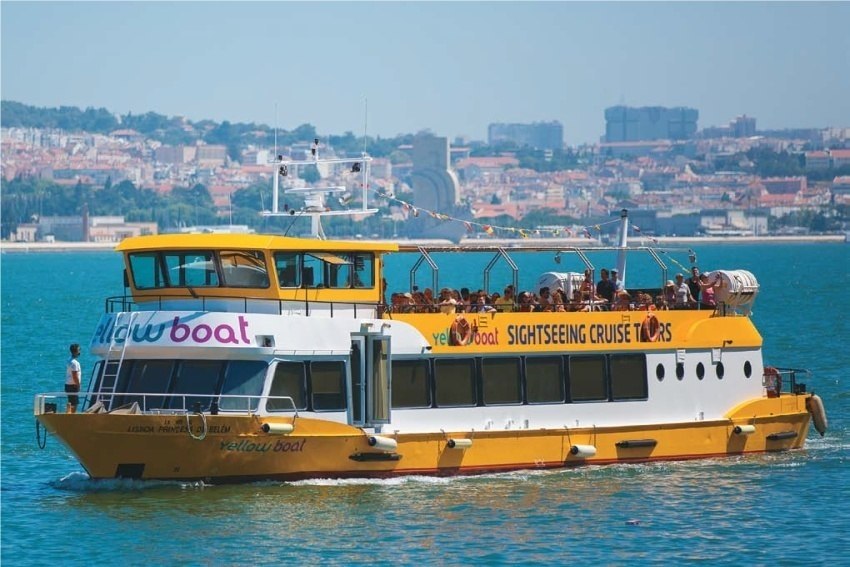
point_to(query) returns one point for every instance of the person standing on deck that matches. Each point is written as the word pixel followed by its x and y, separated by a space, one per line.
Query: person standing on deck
pixel 73 372
pixel 694 284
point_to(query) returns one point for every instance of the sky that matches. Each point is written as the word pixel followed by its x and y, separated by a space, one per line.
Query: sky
pixel 449 67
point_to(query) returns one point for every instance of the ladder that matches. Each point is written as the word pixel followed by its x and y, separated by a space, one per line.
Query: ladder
pixel 112 365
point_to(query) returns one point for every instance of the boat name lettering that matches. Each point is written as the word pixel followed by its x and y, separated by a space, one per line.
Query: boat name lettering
pixel 565 334
pixel 246 446
pixel 180 332
pixel 479 337
pixel 176 428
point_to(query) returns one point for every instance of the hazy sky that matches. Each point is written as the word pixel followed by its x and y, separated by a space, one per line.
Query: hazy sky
pixel 449 67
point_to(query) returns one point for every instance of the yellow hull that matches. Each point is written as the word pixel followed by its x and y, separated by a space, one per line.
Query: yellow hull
pixel 235 448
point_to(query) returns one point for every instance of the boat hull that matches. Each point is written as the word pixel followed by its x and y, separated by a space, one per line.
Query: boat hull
pixel 237 449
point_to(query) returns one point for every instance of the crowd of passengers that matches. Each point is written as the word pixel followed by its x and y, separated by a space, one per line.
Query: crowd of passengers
pixel 608 294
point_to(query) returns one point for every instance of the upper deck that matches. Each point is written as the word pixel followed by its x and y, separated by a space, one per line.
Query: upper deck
pixel 173 269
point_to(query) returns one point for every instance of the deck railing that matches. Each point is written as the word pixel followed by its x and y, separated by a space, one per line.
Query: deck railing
pixel 171 404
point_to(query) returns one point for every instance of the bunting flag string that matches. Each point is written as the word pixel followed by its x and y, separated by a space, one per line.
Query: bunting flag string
pixel 489 229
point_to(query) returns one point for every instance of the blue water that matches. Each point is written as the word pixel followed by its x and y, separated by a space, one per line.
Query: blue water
pixel 791 508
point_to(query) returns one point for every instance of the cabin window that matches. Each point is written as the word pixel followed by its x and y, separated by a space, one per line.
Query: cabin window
pixel 748 369
pixel 587 379
pixel 288 267
pixel 628 377
pixel 148 377
pixel 659 372
pixel 544 381
pixel 327 385
pixel 289 382
pixel 198 377
pixel 680 370
pixel 700 370
pixel 242 378
pixel 411 386
pixel 501 381
pixel 191 269
pixel 244 268
pixel 147 270
pixel 721 371
pixel 455 382
pixel 363 268
pixel 326 269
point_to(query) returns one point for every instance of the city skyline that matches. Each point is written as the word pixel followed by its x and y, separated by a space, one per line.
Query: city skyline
pixel 450 68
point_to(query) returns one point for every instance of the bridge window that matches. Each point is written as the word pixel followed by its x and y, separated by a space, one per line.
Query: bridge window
pixel 147 270
pixel 628 377
pixel 455 382
pixel 244 268
pixel 344 270
pixel 501 380
pixel 544 381
pixel 327 383
pixel 289 381
pixel 587 379
pixel 242 378
pixel 191 269
pixel 411 387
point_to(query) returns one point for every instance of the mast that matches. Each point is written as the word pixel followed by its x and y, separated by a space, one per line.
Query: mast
pixel 623 244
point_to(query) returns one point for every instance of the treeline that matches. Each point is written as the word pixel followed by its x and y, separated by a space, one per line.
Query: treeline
pixel 175 130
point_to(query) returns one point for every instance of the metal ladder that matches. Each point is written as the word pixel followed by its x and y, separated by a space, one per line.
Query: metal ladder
pixel 108 379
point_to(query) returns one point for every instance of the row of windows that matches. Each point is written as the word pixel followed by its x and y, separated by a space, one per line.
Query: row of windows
pixel 321 385
pixel 247 268
pixel 518 380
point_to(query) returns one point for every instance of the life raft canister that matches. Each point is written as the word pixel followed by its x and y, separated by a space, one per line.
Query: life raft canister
pixel 772 381
pixel 650 329
pixel 461 332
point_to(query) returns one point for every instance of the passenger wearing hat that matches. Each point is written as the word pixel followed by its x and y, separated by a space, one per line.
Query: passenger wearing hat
pixel 73 371
pixel 615 279
pixel 669 295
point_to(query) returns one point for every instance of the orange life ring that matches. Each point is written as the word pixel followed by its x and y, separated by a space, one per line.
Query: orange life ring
pixel 772 381
pixel 461 332
pixel 650 329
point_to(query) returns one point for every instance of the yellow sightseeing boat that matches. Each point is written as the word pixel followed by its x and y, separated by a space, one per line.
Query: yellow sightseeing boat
pixel 248 357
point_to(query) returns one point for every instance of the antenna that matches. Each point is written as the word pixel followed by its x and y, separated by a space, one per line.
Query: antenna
pixel 365 121
pixel 275 128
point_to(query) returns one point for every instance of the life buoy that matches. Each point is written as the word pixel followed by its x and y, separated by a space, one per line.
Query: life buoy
pixel 650 329
pixel 461 332
pixel 772 381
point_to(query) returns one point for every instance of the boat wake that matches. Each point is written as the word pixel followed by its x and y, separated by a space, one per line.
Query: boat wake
pixel 82 482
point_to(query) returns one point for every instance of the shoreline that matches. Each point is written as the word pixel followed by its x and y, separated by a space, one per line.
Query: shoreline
pixel 26 247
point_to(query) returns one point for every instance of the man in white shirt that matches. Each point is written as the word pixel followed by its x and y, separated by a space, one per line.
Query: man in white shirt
pixel 73 371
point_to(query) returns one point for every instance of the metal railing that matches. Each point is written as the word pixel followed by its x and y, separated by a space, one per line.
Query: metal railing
pixel 125 303
pixel 172 404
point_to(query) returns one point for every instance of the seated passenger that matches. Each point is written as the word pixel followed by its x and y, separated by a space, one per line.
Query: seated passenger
pixel 506 302
pixel 526 302
pixel 545 299
pixel 482 307
pixel 558 301
pixel 623 302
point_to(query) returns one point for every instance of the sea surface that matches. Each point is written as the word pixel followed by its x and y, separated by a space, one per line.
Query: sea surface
pixel 788 508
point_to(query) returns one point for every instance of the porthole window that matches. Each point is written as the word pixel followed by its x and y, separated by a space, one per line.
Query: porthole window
pixel 720 371
pixel 680 370
pixel 659 372
pixel 700 371
pixel 748 369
